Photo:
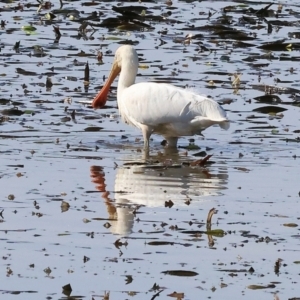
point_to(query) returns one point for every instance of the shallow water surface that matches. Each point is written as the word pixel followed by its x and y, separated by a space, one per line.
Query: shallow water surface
pixel 82 204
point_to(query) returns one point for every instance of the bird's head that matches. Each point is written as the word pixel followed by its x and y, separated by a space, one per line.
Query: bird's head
pixel 125 57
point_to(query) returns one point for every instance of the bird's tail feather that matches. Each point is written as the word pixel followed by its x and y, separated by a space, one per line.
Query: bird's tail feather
pixel 224 125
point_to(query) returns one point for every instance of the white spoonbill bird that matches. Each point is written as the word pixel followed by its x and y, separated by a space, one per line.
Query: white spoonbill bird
pixel 158 107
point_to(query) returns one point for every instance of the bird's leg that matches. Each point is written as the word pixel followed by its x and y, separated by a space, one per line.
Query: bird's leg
pixel 146 134
pixel 146 155
pixel 172 142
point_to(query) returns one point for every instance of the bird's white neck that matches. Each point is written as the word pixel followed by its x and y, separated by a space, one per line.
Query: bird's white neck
pixel 127 76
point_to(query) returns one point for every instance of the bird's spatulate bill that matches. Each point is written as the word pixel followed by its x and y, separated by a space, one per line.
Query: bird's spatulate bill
pixel 100 99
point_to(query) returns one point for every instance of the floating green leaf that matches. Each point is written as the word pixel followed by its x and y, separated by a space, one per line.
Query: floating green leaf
pixel 191 146
pixel 216 232
pixel 29 112
pixel 28 29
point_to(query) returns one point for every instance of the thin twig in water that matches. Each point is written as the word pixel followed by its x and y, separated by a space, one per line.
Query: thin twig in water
pixel 210 214
pixel 156 295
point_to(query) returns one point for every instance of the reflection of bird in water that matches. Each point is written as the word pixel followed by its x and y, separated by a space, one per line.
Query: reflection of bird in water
pixel 152 186
pixel 158 107
pixel 121 217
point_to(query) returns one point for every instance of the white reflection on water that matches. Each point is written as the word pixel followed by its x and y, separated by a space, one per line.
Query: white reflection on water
pixel 152 186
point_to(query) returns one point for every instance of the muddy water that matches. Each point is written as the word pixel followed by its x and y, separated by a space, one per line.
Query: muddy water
pixel 80 202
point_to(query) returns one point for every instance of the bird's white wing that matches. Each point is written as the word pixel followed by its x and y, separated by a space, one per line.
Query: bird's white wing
pixel 156 103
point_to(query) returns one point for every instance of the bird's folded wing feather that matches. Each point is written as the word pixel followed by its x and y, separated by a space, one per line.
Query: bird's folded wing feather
pixel 158 103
